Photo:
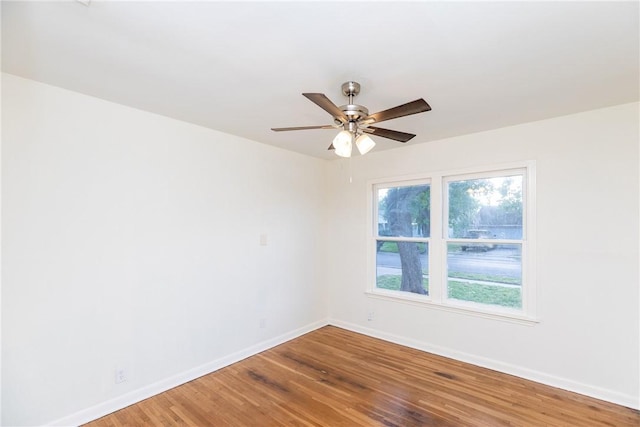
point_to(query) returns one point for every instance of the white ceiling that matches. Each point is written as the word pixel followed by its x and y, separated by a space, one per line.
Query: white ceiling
pixel 240 67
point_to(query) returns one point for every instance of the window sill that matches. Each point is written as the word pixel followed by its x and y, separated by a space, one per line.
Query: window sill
pixel 469 309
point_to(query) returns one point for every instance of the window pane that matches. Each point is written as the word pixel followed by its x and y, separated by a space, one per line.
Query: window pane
pixel 404 211
pixel 487 276
pixel 488 208
pixel 402 266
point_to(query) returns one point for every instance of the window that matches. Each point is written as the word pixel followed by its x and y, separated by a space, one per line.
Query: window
pixel 459 240
pixel 484 239
pixel 402 242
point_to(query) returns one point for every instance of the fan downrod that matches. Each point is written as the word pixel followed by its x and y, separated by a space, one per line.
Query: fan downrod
pixel 352 111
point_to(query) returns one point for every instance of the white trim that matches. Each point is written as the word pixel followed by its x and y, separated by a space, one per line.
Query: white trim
pixel 530 292
pixel 436 256
pixel 372 233
pixel 492 241
pixel 498 171
pixel 403 239
pixel 612 396
pixel 446 172
pixel 453 306
pixel 439 238
pixel 100 410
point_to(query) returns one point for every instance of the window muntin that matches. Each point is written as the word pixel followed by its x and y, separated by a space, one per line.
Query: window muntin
pixel 493 220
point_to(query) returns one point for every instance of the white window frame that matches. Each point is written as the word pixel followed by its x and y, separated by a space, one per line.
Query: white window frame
pixel 439 238
pixel 373 194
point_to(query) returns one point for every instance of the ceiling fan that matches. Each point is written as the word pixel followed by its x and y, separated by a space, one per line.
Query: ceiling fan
pixel 356 122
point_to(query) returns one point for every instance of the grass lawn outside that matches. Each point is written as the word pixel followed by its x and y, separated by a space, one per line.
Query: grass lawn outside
pixel 392 282
pixel 505 296
pixel 392 247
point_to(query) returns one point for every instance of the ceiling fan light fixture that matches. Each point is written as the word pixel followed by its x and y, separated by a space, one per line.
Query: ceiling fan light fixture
pixel 342 143
pixel 364 144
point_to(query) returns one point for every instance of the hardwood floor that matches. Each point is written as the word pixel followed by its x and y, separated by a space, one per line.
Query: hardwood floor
pixel 332 377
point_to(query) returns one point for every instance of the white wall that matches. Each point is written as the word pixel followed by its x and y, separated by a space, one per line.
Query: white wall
pixel 587 257
pixel 132 240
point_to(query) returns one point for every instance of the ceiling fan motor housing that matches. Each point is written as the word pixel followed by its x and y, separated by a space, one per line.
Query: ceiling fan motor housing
pixel 354 112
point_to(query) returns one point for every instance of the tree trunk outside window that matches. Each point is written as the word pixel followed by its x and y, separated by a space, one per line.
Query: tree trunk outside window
pixel 400 224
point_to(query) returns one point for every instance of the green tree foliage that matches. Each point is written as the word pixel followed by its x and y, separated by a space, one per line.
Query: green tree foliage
pixel 505 205
pixel 511 201
pixel 464 203
pixel 405 207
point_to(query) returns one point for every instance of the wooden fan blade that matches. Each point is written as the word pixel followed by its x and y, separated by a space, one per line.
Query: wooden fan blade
pixel 387 133
pixel 413 107
pixel 325 103
pixel 331 147
pixel 303 128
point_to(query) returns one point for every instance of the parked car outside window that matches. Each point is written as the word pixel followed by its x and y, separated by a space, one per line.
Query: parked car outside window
pixel 481 246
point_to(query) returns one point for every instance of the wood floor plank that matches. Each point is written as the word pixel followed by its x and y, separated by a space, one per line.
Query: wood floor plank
pixel 333 377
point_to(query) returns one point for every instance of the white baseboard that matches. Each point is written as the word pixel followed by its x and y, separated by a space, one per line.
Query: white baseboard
pixel 105 408
pixel 529 374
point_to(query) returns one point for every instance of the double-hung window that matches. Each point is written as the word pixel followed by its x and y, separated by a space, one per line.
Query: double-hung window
pixel 461 240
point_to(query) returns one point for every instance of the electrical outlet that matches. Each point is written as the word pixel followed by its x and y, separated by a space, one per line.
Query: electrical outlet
pixel 263 323
pixel 371 315
pixel 120 375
